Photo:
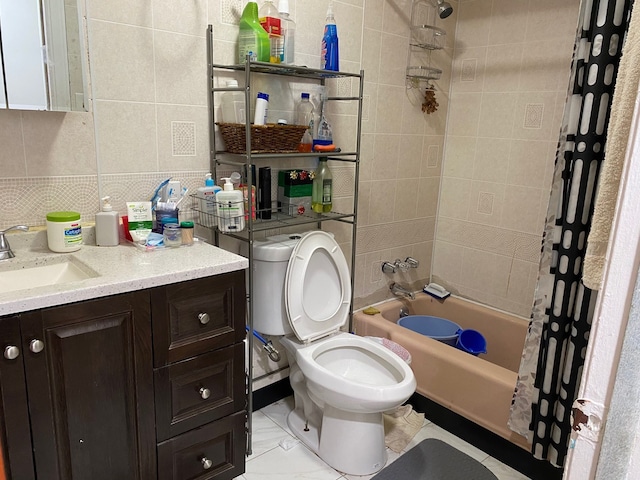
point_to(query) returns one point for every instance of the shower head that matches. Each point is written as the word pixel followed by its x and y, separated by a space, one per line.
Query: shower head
pixel 444 9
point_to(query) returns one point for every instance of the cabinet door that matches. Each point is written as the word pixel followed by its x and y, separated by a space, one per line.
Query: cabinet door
pixel 90 388
pixel 14 417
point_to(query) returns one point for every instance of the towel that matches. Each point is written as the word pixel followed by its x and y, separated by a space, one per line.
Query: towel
pixel 400 426
pixel 622 109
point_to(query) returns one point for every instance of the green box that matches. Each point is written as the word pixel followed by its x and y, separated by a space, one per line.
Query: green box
pixel 294 183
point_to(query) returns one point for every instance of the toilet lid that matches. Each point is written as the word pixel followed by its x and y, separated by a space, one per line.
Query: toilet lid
pixel 317 291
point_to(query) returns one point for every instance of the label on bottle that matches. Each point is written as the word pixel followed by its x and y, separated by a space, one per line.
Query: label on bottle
pixel 271 25
pixel 326 191
pixel 247 45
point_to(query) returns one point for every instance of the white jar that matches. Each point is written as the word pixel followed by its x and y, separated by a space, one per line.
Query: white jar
pixel 64 233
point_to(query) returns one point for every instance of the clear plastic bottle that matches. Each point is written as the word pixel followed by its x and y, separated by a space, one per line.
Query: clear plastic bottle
pixel 305 116
pixel 288 29
pixel 269 18
pixel 232 105
pixel 322 188
pixel 324 134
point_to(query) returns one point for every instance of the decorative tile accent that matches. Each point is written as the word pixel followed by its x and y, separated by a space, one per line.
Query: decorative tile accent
pixel 533 115
pixel 366 103
pixel 344 87
pixel 468 70
pixel 229 9
pixel 485 203
pixel 26 201
pixel 183 139
pixel 433 156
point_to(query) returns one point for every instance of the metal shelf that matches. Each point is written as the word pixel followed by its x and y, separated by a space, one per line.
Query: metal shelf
pixel 245 160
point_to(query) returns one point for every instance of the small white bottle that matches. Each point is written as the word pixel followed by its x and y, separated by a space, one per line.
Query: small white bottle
pixel 232 103
pixel 230 205
pixel 207 202
pixel 262 107
pixel 107 225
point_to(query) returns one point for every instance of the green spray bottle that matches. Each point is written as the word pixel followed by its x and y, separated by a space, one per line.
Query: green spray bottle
pixel 253 40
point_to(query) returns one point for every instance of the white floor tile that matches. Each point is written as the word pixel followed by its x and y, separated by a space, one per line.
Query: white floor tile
pixel 278 412
pixel 431 430
pixel 391 457
pixel 298 463
pixel 266 434
pixel 502 471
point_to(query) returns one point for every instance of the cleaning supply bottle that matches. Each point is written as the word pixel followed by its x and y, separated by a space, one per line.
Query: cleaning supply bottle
pixel 261 109
pixel 230 205
pixel 324 135
pixel 207 202
pixel 288 29
pixel 269 18
pixel 253 40
pixel 232 104
pixel 305 116
pixel 329 59
pixel 322 188
pixel 107 225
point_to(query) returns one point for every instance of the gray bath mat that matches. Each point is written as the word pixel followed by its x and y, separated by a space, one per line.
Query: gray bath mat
pixel 433 459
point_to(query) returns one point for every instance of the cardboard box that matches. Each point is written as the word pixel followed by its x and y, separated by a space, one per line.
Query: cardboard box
pixel 294 192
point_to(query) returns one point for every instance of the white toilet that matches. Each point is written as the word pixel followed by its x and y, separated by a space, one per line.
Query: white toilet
pixel 342 383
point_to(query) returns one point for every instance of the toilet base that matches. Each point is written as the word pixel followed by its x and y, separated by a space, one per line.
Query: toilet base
pixel 351 443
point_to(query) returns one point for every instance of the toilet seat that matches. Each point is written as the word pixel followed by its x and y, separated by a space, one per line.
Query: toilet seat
pixel 317 290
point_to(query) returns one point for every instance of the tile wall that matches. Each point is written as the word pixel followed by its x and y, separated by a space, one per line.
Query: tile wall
pixel 509 80
pixel 148 120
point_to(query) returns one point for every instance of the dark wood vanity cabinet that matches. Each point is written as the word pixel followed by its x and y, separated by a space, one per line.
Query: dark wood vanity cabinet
pixel 82 400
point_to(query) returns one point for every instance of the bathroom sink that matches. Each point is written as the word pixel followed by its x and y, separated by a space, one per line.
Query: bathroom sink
pixel 43 272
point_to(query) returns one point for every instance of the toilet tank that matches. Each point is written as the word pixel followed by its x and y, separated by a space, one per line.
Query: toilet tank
pixel 270 260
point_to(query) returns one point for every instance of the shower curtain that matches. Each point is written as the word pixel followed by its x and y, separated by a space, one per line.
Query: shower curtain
pixel 556 343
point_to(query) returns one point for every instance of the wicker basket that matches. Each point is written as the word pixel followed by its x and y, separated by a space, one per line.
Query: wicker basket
pixel 270 138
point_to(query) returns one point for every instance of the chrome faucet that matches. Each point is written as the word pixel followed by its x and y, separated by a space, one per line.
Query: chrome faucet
pixel 400 291
pixel 388 267
pixel 5 248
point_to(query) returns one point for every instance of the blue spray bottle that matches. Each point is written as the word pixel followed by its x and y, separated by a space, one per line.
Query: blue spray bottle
pixel 329 55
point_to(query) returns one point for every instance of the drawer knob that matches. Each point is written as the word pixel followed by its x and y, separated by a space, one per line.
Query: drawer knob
pixel 204 318
pixel 11 352
pixel 36 346
pixel 206 463
pixel 204 393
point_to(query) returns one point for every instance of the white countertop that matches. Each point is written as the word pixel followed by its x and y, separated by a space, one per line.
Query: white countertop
pixel 120 269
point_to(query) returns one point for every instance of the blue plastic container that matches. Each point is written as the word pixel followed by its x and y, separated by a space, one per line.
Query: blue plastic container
pixel 471 341
pixel 440 329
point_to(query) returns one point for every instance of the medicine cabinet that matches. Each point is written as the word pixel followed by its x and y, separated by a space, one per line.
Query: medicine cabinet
pixel 41 59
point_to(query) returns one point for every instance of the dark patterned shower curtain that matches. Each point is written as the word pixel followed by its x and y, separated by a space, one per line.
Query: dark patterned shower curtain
pixel 554 353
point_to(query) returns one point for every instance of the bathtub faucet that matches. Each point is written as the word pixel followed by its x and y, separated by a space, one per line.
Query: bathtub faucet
pixel 400 291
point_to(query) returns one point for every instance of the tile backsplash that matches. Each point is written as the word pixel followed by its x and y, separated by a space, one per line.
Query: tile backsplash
pixel 488 148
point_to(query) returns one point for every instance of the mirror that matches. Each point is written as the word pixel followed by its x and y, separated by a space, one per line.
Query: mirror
pixel 41 61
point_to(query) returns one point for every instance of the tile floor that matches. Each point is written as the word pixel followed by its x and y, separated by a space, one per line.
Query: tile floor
pixel 270 461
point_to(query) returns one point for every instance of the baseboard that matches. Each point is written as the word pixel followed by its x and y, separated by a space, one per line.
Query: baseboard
pixel 490 443
pixel 271 393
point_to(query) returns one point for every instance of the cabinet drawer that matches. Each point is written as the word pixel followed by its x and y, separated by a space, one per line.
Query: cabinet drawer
pixel 197 316
pixel 197 391
pixel 215 450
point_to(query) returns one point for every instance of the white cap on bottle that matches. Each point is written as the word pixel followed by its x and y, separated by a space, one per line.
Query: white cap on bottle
pixel 283 6
pixel 227 184
pixel 106 204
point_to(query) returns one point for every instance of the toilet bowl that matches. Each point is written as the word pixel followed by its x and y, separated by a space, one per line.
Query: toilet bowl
pixel 342 383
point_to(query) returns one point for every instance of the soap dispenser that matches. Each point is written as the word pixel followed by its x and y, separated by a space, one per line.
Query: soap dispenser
pixel 107 225
pixel 230 205
pixel 207 202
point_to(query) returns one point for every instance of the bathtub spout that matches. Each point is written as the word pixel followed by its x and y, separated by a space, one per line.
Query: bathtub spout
pixel 400 291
